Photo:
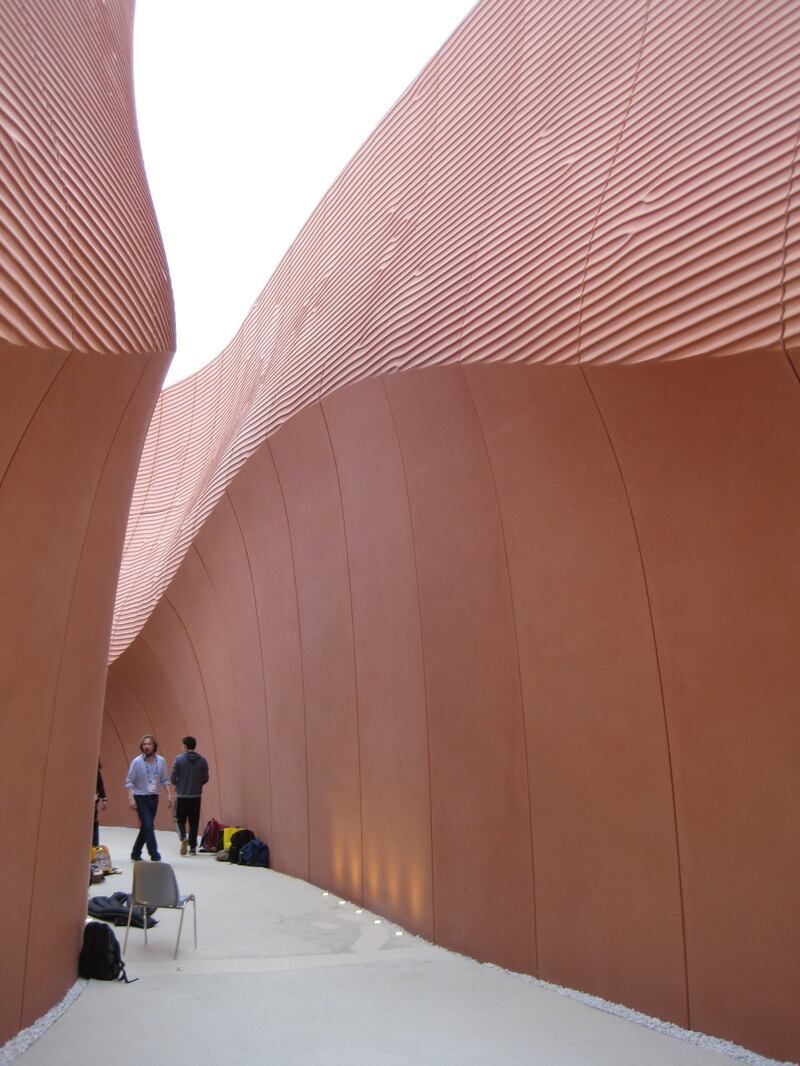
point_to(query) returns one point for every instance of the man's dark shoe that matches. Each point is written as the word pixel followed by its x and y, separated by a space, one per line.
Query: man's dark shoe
pixel 136 858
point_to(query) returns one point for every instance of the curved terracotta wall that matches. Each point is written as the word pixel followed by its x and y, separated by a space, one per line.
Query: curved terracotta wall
pixel 472 561
pixel 507 653
pixel 85 334
pixel 564 182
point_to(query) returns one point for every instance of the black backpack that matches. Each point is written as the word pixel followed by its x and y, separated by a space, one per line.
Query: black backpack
pixel 100 955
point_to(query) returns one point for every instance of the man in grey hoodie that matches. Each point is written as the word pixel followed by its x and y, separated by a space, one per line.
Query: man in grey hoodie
pixel 189 774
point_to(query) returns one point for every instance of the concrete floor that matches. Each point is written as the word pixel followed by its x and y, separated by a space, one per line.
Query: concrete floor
pixel 286 975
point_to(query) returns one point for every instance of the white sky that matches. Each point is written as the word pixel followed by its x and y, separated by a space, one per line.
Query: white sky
pixel 247 111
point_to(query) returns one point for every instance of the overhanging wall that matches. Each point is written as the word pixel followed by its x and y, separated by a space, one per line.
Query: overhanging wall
pixel 507 653
pixel 493 628
pixel 85 334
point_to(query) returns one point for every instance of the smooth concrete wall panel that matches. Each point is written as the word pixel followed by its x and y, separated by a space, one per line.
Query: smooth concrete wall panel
pixel 149 687
pixel 26 374
pixel 86 326
pixel 258 503
pixel 307 475
pixel 709 453
pixel 221 547
pixel 392 711
pixel 115 765
pixel 480 814
pixel 168 642
pixel 600 784
pixel 62 512
pixel 193 599
pixel 124 721
pixel 500 603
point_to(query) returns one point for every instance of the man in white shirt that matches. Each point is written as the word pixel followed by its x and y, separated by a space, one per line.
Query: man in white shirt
pixel 147 773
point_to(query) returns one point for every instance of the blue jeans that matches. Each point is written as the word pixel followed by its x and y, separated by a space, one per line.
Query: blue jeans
pixel 146 807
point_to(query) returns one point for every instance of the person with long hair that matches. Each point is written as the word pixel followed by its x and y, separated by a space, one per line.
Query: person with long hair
pixel 146 775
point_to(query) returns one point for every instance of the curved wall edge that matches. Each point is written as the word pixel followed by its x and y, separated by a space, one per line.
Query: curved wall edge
pixel 86 333
pixel 516 636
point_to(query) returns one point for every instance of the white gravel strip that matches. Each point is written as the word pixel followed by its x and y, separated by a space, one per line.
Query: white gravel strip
pixel 712 1043
pixel 23 1040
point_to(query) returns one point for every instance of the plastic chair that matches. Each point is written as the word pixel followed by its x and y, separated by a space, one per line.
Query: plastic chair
pixel 155 885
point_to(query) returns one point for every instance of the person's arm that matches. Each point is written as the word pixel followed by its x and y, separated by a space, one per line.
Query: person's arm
pixel 165 783
pixel 205 771
pixel 130 784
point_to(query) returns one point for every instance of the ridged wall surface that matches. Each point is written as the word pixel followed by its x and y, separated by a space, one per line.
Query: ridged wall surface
pixel 472 562
pixel 564 182
pixel 86 332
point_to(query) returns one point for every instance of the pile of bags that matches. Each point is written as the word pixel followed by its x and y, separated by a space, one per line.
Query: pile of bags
pixel 234 844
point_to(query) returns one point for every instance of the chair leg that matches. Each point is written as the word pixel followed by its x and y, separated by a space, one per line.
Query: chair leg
pixel 144 922
pixel 180 926
pixel 127 928
pixel 194 913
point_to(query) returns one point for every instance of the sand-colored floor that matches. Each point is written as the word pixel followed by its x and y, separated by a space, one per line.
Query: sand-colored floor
pixel 288 976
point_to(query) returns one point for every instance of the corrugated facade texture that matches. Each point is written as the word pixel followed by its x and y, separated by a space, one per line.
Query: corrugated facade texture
pixel 565 182
pixel 472 561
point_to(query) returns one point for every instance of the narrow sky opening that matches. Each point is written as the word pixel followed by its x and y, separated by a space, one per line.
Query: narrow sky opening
pixel 247 113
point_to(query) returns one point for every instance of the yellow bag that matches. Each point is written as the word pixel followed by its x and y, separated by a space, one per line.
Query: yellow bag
pixel 102 859
pixel 227 833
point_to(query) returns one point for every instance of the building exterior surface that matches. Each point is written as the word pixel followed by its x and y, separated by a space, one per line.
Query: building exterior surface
pixel 472 560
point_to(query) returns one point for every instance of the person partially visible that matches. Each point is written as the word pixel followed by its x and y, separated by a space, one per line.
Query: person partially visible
pixel 189 774
pixel 100 799
pixel 146 775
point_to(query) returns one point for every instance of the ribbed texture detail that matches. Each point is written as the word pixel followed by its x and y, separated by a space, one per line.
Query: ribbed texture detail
pixel 564 182
pixel 81 261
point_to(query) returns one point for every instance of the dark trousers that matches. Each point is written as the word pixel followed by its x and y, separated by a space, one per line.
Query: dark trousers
pixel 146 807
pixel 187 808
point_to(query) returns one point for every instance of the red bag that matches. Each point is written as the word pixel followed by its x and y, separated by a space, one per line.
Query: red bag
pixel 211 839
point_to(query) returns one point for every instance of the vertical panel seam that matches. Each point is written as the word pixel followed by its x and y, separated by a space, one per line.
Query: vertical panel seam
pixel 65 638
pixel 139 699
pixel 300 645
pixel 260 653
pixel 382 379
pixel 32 418
pixel 157 658
pixel 59 167
pixel 665 717
pixel 210 581
pixel 499 171
pixel 165 599
pixel 517 657
pixel 622 126
pixel 784 250
pixel 353 635
pixel 110 717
